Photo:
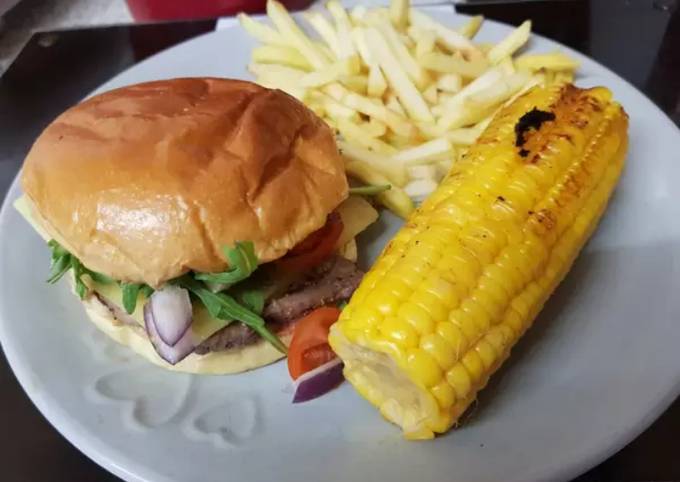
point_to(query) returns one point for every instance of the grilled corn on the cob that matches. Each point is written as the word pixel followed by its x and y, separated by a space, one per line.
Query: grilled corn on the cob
pixel 465 277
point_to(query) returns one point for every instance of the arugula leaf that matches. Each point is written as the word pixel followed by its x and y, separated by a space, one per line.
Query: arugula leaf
pixel 370 190
pixel 233 309
pixel 224 307
pixel 62 261
pixel 207 297
pixel 60 265
pixel 130 293
pixel 253 299
pixel 99 278
pixel 146 290
pixel 242 262
pixel 78 271
pixel 57 250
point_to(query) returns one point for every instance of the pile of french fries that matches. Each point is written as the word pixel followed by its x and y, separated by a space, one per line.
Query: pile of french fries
pixel 406 94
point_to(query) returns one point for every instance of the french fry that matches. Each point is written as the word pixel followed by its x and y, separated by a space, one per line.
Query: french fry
pixel 318 109
pixel 480 104
pixel 375 128
pixel 400 142
pixel 451 83
pixel 450 64
pixel 430 94
pixel 354 134
pixel 359 41
pixel 393 104
pixel 334 109
pixel 290 74
pixel 376 82
pixel 356 83
pixel 394 171
pixel 395 199
pixel 326 51
pixel 471 28
pixel 420 188
pixel 271 82
pixel 261 32
pixel 325 30
pixel 428 152
pixel 343 27
pixel 407 41
pixel 443 167
pixel 425 41
pixel 399 13
pixel 357 15
pixel 430 130
pixel 554 61
pixel 466 136
pixel 507 66
pixel 510 44
pixel 564 76
pixel 424 171
pixel 278 54
pixel 372 108
pixel 290 30
pixel 482 82
pixel 415 72
pixel 331 73
pixel 449 38
pixel 409 96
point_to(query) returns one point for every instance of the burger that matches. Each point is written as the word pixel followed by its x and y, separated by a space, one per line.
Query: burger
pixel 198 218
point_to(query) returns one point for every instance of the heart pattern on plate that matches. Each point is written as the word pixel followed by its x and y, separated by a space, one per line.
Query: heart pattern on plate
pixel 148 396
pixel 230 423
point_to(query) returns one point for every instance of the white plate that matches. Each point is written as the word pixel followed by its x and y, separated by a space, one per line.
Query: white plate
pixel 600 364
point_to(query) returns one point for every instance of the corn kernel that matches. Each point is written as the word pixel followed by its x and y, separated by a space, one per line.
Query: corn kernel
pixel 423 368
pixel 453 336
pixel 417 317
pixel 397 286
pixel 514 321
pixel 486 353
pixel 444 394
pixel 477 313
pixel 399 331
pixel 467 326
pixel 498 339
pixel 459 379
pixel 430 303
pixel 362 315
pixel 383 300
pixel 439 349
pixel 474 365
pixel 493 309
pixel 444 290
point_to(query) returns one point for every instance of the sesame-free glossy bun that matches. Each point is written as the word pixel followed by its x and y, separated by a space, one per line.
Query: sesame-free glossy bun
pixel 146 182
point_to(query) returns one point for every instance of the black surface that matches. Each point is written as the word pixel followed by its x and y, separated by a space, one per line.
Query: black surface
pixel 638 39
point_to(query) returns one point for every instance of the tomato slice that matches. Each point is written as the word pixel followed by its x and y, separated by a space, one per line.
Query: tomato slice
pixel 309 346
pixel 315 248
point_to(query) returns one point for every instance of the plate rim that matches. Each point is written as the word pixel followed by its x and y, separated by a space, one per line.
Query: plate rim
pixel 116 461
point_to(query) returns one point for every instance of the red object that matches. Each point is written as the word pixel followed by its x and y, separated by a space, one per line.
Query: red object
pixel 315 248
pixel 309 346
pixel 150 10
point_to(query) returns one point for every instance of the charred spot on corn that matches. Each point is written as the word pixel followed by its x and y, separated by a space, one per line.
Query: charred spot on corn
pixel 531 120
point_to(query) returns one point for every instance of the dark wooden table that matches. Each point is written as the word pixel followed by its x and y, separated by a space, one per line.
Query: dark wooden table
pixel 638 39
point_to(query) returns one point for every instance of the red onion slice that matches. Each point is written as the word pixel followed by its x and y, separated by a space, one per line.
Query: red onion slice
pixel 316 382
pixel 171 354
pixel 172 313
